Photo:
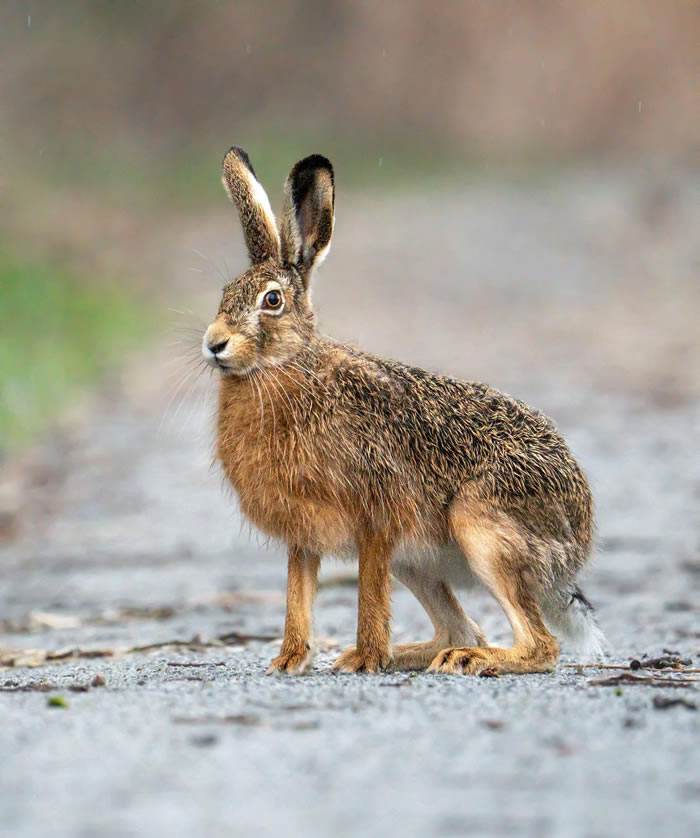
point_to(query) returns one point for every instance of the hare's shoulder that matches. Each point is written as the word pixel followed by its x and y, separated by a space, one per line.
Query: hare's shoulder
pixel 393 385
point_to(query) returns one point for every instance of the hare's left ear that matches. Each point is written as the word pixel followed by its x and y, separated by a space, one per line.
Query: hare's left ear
pixel 307 219
pixel 257 219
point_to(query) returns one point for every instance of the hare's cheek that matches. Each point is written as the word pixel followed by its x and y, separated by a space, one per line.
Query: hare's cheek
pixel 281 340
pixel 245 352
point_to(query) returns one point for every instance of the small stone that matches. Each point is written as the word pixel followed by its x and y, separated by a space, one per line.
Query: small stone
pixel 98 680
pixel 206 740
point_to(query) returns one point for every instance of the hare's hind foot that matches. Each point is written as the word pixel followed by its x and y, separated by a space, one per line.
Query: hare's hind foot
pixel 414 656
pixel 452 626
pixel 410 657
pixel 477 661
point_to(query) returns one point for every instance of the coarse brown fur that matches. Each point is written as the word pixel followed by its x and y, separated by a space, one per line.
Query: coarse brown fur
pixel 335 451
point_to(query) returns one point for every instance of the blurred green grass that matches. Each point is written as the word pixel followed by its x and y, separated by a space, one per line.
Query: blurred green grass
pixel 59 333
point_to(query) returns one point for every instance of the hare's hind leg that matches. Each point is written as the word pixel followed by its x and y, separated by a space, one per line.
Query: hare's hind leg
pixel 498 555
pixel 451 624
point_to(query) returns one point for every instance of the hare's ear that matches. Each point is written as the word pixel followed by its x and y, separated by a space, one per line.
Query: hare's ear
pixel 307 219
pixel 246 192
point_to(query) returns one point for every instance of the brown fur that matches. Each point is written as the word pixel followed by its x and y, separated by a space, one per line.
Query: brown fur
pixel 332 450
pixel 296 654
pixel 239 179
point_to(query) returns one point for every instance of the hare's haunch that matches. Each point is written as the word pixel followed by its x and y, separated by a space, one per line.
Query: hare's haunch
pixel 335 451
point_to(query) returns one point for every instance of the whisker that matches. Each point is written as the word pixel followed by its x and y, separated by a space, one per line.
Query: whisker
pixel 262 408
pixel 178 388
pixel 284 392
pixel 211 262
pixel 296 381
pixel 274 414
pixel 197 402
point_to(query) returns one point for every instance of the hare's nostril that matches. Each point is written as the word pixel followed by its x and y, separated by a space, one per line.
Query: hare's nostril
pixel 215 348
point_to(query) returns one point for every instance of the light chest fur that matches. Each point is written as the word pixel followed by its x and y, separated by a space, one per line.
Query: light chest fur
pixel 265 438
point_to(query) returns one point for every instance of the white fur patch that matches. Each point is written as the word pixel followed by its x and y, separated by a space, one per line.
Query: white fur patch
pixel 207 354
pixel 577 625
pixel 260 197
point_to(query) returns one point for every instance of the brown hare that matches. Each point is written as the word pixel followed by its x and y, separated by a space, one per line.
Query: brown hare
pixel 335 451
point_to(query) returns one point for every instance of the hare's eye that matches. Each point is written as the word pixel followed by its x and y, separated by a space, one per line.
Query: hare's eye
pixel 273 300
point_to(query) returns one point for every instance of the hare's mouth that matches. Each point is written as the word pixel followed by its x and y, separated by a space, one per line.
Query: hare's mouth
pixel 233 370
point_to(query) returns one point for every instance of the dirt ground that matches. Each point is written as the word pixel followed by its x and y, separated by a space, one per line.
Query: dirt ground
pixel 123 558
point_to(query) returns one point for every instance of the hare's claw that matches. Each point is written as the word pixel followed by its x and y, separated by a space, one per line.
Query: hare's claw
pixel 465 661
pixel 351 661
pixel 296 662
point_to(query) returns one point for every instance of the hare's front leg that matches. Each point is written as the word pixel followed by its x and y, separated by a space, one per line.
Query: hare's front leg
pixel 373 650
pixel 296 656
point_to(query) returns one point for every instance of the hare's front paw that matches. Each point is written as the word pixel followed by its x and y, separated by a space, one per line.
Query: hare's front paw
pixel 297 662
pixel 372 660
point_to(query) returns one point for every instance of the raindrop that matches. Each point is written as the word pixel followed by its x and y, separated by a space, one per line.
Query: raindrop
pixel 29 21
pixel 380 162
pixel 639 106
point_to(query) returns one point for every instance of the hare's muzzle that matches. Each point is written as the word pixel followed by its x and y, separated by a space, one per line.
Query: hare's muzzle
pixel 216 342
pixel 224 349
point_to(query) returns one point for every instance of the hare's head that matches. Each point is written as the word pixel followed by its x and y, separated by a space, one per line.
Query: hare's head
pixel 265 315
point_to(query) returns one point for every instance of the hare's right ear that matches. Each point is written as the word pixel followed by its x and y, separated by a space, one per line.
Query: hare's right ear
pixel 307 219
pixel 246 192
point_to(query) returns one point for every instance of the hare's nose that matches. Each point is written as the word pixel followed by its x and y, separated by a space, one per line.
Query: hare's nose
pixel 216 348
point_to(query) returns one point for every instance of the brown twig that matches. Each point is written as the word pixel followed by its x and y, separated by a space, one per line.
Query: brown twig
pixel 625 667
pixel 637 680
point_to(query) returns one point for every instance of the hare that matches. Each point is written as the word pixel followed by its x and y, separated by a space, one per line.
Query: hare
pixel 335 451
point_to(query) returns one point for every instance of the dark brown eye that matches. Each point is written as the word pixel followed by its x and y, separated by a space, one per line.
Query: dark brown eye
pixel 273 299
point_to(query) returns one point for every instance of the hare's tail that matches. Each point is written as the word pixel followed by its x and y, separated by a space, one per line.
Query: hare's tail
pixel 572 617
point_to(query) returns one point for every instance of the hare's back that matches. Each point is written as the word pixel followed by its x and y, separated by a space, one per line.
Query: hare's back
pixel 448 432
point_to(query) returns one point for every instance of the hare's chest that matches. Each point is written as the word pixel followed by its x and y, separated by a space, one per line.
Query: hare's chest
pixel 257 464
pixel 279 490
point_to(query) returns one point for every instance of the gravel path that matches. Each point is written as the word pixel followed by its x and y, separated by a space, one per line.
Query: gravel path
pixel 580 296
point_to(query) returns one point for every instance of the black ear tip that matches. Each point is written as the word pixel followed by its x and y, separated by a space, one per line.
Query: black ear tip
pixel 312 163
pixel 241 155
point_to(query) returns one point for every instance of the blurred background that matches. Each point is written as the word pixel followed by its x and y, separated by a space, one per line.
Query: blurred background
pixel 115 116
pixel 518 190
